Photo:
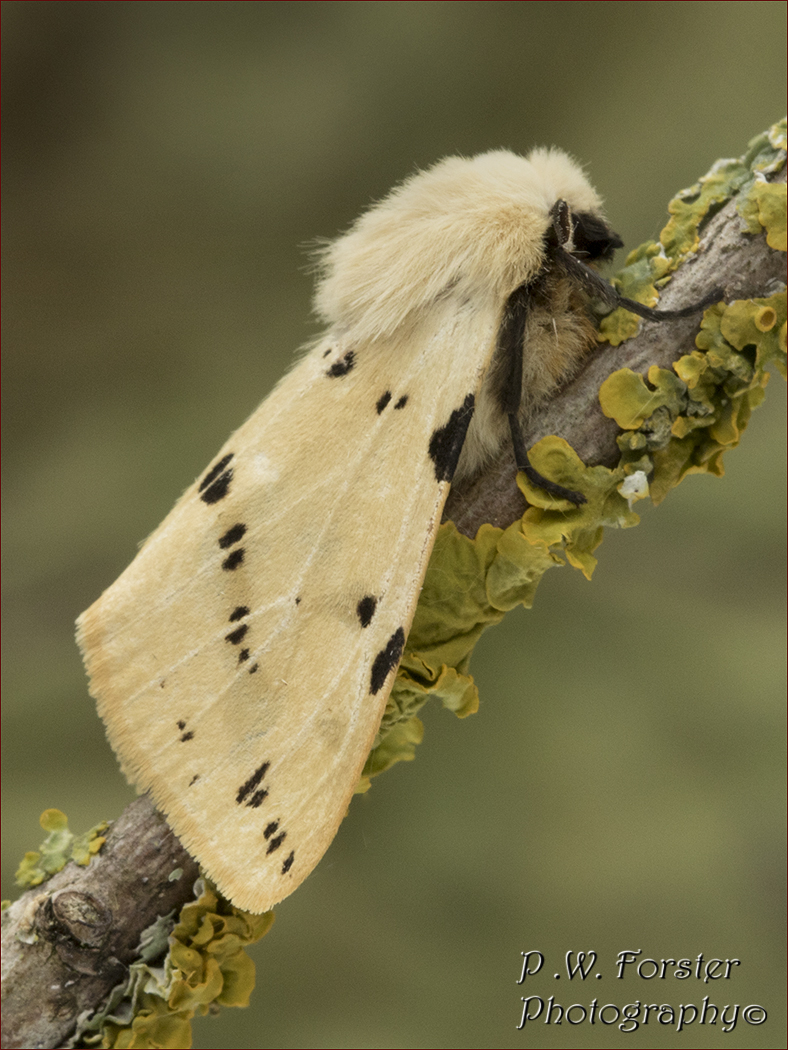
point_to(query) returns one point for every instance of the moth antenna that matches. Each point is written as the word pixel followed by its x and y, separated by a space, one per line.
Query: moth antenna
pixel 650 314
pixel 597 286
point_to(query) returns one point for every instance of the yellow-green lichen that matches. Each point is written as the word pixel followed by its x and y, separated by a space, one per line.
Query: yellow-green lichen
pixel 60 846
pixel 688 420
pixel 183 968
pixel 625 397
pixel 764 208
pixel 646 269
pixel 760 203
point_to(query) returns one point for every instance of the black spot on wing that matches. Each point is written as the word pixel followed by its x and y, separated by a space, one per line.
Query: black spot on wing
pixel 253 668
pixel 232 561
pixel 365 610
pixel 270 829
pixel 447 441
pixel 274 844
pixel 216 483
pixel 386 660
pixel 254 780
pixel 233 535
pixel 342 366
pixel 402 401
pixel 257 798
pixel 236 636
pixel 382 401
pixel 214 472
pixel 189 735
pixel 288 863
pixel 194 779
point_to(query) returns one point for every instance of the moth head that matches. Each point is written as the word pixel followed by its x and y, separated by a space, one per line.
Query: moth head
pixel 474 227
pixel 583 234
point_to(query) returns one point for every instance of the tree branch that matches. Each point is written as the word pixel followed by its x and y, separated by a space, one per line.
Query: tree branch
pixel 67 943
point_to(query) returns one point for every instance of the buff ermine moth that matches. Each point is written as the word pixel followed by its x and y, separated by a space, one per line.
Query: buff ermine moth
pixel 242 662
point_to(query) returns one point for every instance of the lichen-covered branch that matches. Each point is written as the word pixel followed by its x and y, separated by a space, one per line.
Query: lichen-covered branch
pixel 69 941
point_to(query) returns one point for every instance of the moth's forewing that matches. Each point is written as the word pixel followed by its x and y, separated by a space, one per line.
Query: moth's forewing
pixel 243 660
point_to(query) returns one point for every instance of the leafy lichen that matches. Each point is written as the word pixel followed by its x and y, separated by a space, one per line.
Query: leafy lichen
pixel 712 397
pixel 60 846
pixel 183 968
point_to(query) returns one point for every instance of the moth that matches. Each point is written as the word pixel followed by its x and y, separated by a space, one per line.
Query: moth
pixel 242 662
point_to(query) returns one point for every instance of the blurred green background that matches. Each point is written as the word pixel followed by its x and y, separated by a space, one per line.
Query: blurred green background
pixel 165 165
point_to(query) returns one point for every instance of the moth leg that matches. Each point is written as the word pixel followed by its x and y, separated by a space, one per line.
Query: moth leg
pixel 511 346
pixel 533 475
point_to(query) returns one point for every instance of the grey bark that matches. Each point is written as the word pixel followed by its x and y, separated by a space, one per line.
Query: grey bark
pixel 85 925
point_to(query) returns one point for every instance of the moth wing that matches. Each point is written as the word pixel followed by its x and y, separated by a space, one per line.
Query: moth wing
pixel 243 660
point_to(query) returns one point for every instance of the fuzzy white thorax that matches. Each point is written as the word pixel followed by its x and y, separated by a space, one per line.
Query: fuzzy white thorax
pixel 473 225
